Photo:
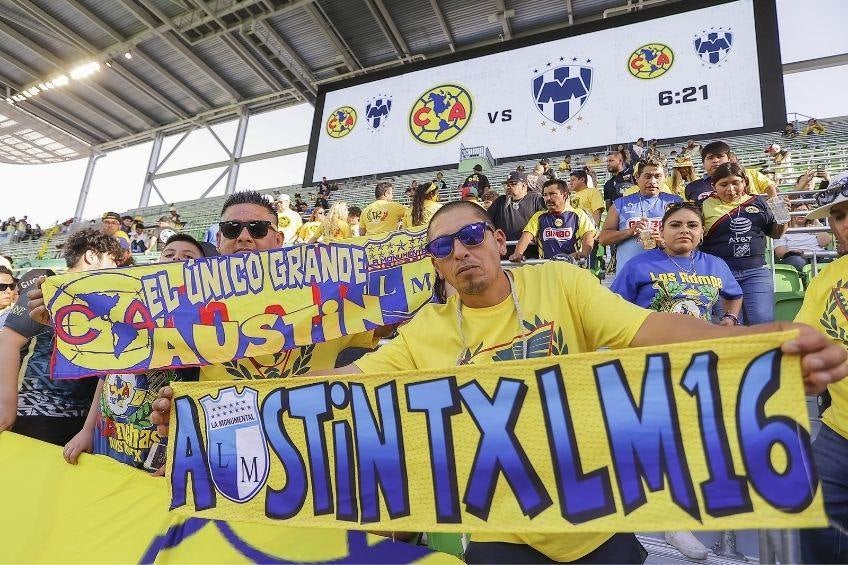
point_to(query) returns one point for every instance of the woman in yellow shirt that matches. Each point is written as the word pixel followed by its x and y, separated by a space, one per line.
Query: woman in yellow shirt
pixel 334 225
pixel 682 174
pixel 425 202
pixel 313 226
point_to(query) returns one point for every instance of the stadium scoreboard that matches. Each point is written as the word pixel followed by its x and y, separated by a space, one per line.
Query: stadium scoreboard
pixel 675 71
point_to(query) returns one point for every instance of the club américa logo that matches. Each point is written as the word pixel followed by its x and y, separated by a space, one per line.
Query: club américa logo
pixel 440 114
pixel 650 61
pixel 341 122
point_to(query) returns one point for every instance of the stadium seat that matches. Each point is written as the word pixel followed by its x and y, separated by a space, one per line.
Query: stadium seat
pixel 786 305
pixel 787 279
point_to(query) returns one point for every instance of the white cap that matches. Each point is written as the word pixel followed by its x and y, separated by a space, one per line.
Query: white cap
pixel 836 190
pixel 773 147
pixel 284 197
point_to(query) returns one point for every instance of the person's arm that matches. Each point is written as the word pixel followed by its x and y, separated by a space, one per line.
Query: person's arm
pixel 586 244
pixel 823 239
pixel 780 251
pixel 771 189
pixel 83 441
pixel 11 343
pixel 611 234
pixel 596 216
pixel 777 230
pixel 822 362
pixel 732 308
pixel 521 247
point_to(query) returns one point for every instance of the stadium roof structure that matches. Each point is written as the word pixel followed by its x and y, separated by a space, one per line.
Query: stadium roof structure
pixel 87 76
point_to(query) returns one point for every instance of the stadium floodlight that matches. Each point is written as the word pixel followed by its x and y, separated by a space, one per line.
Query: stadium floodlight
pixel 85 70
pixel 9 101
pixel 128 54
pixel 60 80
pixel 27 94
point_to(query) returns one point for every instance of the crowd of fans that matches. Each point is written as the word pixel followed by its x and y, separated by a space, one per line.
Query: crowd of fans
pixel 677 243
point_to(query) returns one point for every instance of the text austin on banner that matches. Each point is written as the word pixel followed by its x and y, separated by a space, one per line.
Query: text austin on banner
pixel 709 435
pixel 102 511
pixel 217 309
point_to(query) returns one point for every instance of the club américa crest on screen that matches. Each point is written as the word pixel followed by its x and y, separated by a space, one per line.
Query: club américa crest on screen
pixel 377 110
pixel 441 113
pixel 713 45
pixel 560 89
pixel 341 122
pixel 650 61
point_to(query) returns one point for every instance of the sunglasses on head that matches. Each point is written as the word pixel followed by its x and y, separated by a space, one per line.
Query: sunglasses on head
pixel 7 286
pixel 829 194
pixel 256 228
pixel 471 235
pixel 680 205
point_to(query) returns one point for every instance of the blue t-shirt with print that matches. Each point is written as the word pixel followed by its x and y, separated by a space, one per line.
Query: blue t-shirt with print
pixel 678 284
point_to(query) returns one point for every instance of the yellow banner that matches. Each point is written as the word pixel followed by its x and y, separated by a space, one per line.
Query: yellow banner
pixel 218 309
pixel 101 511
pixel 710 435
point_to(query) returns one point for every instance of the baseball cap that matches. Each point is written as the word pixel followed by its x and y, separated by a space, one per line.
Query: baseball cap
pixel 478 167
pixel 516 176
pixel 284 198
pixel 683 162
pixel 773 147
pixel 111 216
pixel 834 194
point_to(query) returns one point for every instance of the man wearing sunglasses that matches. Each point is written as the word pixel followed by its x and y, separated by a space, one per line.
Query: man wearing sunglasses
pixel 823 309
pixel 496 314
pixel 249 223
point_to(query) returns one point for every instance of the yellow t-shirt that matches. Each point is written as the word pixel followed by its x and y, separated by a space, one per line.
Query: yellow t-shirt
pixel 430 207
pixel 577 321
pixel 381 216
pixel 757 181
pixel 308 230
pixel 679 190
pixel 589 199
pixel 292 363
pixel 825 309
pixel 288 222
pixel 342 231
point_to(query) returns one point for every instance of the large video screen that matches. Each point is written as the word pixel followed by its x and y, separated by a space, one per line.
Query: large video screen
pixel 670 72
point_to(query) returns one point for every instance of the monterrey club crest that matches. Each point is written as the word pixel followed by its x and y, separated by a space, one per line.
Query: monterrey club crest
pixel 377 111
pixel 713 45
pixel 238 452
pixel 561 92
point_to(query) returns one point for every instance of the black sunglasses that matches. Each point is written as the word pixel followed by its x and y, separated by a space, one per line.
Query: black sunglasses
pixel 256 228
pixel 7 286
pixel 471 235
pixel 829 194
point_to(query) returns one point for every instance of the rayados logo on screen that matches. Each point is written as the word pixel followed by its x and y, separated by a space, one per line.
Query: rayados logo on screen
pixel 440 114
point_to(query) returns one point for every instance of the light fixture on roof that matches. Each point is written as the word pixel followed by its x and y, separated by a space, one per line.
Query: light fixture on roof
pixel 128 54
pixel 9 101
pixel 109 64
pixel 85 70
pixel 60 80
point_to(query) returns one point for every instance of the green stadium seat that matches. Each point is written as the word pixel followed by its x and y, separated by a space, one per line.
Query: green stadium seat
pixel 446 543
pixel 786 305
pixel 787 279
pixel 807 274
